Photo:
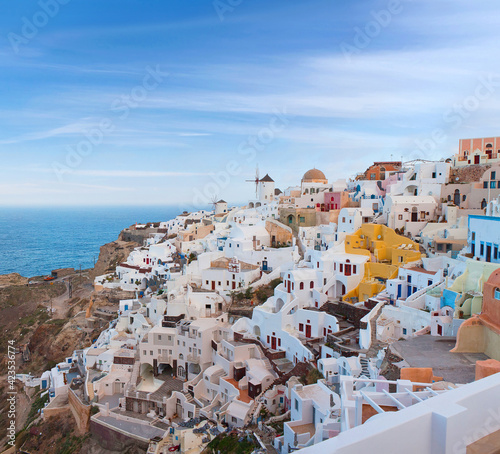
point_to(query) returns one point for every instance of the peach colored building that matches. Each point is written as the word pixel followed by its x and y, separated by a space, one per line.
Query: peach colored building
pixel 481 333
pixel 483 150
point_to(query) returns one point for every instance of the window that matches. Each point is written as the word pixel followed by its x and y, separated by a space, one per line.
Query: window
pixel 301 286
pixel 495 252
pixel 341 267
pixel 408 278
pixel 493 175
pixel 493 184
pixel 400 217
pixel 301 327
pixel 372 176
pixel 485 184
pixel 473 235
pixel 429 282
pixel 296 404
pixel 302 219
pixel 497 293
pixel 481 249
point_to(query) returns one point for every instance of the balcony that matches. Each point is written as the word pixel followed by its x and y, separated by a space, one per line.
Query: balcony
pixel 165 359
pixel 193 359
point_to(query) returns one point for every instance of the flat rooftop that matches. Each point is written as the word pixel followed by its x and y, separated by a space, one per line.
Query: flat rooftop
pixel 434 351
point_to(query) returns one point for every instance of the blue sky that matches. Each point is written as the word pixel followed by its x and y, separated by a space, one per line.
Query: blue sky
pixel 183 99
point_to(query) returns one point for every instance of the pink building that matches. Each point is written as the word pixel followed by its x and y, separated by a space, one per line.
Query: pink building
pixel 335 200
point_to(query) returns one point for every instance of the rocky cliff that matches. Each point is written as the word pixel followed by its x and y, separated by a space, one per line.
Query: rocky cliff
pixel 112 254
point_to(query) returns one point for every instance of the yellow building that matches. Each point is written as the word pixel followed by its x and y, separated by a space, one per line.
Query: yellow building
pixel 387 252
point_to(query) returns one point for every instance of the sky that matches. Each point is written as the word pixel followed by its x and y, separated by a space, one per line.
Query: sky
pixel 166 102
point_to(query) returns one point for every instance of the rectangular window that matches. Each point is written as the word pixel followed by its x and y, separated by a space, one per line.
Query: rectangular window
pixel 473 235
pixel 495 252
pixel 493 184
pixel 481 249
pixel 400 217
pixel 429 282
pixel 408 278
pixel 493 175
pixel 341 267
pixel 497 293
pixel 485 184
pixel 301 327
pixel 302 219
pixel 404 331
pixel 296 404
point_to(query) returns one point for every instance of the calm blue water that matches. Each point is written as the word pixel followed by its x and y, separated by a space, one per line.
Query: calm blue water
pixel 34 241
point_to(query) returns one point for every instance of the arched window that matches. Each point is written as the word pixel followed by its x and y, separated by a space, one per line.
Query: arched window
pixel 311 285
pixel 301 286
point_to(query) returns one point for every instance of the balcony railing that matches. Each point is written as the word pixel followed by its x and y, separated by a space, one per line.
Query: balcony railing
pixel 193 359
pixel 164 359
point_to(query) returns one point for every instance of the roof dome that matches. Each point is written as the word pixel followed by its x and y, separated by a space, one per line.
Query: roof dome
pixel 313 174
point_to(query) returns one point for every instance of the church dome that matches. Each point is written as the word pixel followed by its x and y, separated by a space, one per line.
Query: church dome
pixel 313 175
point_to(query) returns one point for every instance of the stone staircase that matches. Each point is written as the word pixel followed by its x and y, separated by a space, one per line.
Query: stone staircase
pixel 189 397
pixel 375 344
pixel 364 366
pixel 134 379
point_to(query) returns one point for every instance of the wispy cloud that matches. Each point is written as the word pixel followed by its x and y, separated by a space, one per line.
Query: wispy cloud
pixel 120 173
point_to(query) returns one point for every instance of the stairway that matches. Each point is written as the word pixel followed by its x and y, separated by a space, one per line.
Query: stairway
pixel 135 371
pixel 189 397
pixel 364 366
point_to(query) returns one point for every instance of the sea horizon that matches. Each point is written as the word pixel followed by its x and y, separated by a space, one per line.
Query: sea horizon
pixel 34 240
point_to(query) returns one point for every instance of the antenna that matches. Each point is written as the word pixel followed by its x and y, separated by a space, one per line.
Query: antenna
pixel 256 180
